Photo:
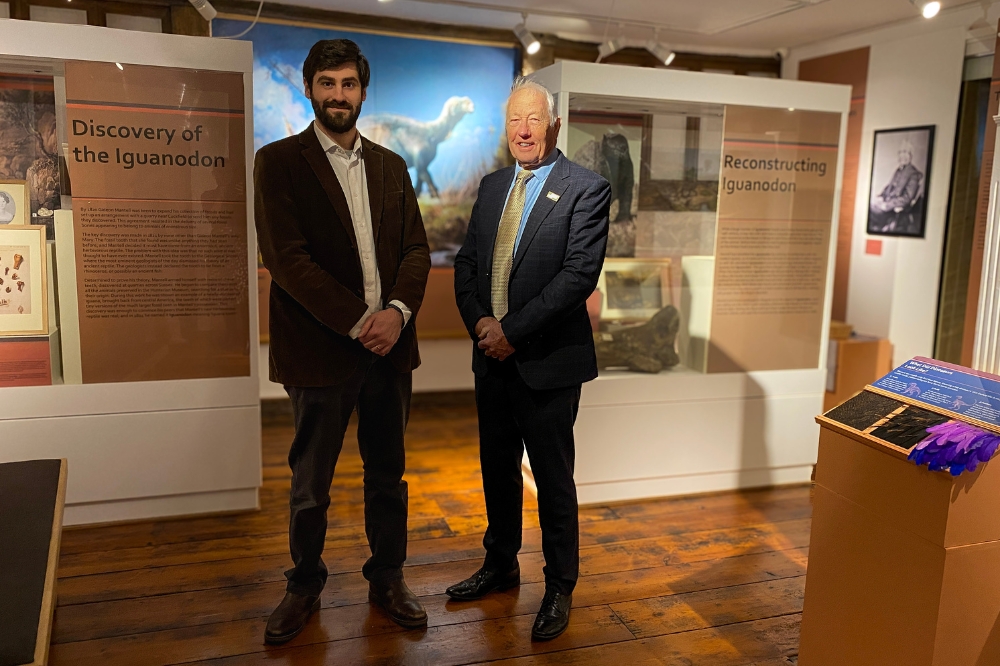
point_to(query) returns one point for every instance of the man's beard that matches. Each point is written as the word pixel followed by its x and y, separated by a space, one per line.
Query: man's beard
pixel 338 124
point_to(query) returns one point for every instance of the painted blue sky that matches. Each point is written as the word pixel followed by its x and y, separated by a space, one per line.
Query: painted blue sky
pixel 410 77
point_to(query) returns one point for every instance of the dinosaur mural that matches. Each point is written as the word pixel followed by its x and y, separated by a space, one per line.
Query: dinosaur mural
pixel 438 104
pixel 416 141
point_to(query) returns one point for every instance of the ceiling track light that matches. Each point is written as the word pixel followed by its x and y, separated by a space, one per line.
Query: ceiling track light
pixel 928 9
pixel 663 53
pixel 204 8
pixel 528 41
pixel 609 47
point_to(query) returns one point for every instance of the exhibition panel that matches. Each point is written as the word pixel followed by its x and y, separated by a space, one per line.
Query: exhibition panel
pixel 157 162
pixel 126 241
pixel 905 544
pixel 711 313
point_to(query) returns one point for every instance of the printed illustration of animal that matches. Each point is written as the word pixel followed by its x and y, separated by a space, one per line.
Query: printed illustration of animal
pixel 416 141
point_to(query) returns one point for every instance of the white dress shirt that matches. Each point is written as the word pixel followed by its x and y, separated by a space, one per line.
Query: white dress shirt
pixel 350 169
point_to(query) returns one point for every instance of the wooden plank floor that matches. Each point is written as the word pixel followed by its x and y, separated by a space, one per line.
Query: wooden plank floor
pixel 715 580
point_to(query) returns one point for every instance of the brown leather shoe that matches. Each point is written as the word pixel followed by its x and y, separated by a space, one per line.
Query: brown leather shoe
pixel 289 618
pixel 399 602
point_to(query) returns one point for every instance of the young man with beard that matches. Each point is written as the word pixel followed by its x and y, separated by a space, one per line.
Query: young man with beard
pixel 339 229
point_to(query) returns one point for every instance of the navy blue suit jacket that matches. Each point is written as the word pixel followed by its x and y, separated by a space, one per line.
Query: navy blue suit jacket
pixel 555 270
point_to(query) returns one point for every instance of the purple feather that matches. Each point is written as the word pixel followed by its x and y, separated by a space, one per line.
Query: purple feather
pixel 956 447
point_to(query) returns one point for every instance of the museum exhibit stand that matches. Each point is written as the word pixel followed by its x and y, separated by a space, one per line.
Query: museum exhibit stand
pixel 712 310
pixel 33 495
pixel 128 334
pixel 853 362
pixel 904 562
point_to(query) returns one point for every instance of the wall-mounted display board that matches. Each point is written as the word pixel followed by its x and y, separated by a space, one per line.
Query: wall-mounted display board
pixel 128 329
pixel 725 197
pixel 437 103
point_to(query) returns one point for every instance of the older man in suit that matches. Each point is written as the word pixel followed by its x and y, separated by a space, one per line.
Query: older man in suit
pixel 896 197
pixel 339 229
pixel 532 256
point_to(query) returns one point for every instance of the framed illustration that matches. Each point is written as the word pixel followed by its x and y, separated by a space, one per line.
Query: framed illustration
pixel 15 204
pixel 634 289
pixel 901 176
pixel 23 281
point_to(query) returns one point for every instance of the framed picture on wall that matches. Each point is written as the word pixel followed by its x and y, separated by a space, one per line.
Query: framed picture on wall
pixel 15 206
pixel 634 289
pixel 901 175
pixel 23 297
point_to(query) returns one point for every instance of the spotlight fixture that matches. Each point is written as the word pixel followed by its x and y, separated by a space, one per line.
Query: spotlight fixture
pixel 663 53
pixel 607 48
pixel 204 8
pixel 928 9
pixel 531 45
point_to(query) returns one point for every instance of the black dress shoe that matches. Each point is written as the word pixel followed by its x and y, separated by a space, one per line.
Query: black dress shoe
pixel 399 602
pixel 289 618
pixel 553 616
pixel 483 582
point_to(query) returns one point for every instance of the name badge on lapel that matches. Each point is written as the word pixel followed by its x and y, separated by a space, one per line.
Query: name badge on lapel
pixel 553 196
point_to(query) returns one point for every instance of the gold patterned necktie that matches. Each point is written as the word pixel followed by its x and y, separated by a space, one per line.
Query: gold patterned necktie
pixel 503 249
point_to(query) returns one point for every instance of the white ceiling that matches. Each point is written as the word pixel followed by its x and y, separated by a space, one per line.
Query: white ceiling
pixel 713 26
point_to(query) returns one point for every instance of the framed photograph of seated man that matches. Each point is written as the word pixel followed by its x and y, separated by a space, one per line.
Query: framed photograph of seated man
pixel 901 175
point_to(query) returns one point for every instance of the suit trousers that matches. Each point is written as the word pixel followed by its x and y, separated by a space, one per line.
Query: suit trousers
pixel 513 418
pixel 381 395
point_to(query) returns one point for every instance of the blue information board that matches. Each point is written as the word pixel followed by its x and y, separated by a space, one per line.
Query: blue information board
pixel 952 387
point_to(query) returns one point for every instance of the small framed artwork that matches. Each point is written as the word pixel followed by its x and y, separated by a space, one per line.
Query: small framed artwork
pixel 634 289
pixel 15 204
pixel 901 177
pixel 23 287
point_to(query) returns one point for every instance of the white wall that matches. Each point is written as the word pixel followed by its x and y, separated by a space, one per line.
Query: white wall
pixel 914 78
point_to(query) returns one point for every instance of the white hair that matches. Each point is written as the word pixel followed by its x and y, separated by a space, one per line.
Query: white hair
pixel 523 83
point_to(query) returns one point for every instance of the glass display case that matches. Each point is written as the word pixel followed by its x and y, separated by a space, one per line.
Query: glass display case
pixel 711 309
pixel 720 231
pixel 128 340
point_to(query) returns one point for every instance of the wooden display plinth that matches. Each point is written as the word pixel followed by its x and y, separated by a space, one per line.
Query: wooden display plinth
pixel 904 563
pixel 859 361
pixel 32 497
